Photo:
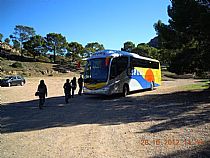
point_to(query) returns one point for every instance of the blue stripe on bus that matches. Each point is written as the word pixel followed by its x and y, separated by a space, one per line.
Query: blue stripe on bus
pixel 144 83
pixel 156 85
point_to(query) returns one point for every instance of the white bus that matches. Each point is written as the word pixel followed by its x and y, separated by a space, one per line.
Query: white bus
pixel 109 72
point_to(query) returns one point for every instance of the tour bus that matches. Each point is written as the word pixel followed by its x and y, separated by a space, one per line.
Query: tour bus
pixel 110 71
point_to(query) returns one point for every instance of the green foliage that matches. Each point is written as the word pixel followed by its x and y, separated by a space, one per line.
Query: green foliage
pixel 128 46
pixel 153 42
pixel 56 43
pixel 204 84
pixel 146 50
pixel 36 45
pixel 166 55
pixel 187 36
pixel 1 59
pixel 68 54
pixel 92 48
pixel 16 44
pixel 142 49
pixel 22 34
pixel 7 40
pixel 1 36
pixel 75 50
pixel 139 51
pixel 17 65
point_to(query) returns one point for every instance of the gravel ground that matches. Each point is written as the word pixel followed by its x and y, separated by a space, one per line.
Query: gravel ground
pixel 166 122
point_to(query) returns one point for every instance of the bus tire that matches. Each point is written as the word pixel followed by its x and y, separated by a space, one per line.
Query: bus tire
pixel 125 90
pixel 152 86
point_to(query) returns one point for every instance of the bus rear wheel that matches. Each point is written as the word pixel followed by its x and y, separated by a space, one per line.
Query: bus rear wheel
pixel 152 86
pixel 125 90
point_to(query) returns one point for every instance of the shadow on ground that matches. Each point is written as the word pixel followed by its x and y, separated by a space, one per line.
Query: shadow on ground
pixel 202 151
pixel 171 109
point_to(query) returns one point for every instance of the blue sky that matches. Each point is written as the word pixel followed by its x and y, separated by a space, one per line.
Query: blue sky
pixel 109 22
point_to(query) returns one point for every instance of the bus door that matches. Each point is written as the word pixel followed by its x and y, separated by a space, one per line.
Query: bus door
pixel 118 72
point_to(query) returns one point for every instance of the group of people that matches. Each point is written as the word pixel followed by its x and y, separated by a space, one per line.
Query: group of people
pixel 69 88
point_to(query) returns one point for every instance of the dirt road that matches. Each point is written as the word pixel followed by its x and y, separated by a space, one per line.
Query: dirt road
pixel 166 122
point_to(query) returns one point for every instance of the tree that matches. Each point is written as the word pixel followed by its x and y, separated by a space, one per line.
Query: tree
pixel 56 43
pixel 128 46
pixel 168 37
pixel 93 47
pixel 75 49
pixel 144 49
pixel 187 35
pixel 36 45
pixel 22 34
pixel 165 56
pixel 140 50
pixel 7 40
pixel 1 37
pixel 153 42
pixel 16 44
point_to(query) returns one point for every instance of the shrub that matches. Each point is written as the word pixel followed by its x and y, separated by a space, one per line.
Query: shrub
pixel 17 65
pixel 61 60
pixel 1 59
pixel 43 58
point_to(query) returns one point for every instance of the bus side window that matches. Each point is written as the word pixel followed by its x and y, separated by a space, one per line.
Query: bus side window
pixel 119 65
pixel 122 64
pixel 113 72
pixel 144 63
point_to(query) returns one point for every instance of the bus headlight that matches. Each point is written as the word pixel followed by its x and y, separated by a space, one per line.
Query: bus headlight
pixel 105 88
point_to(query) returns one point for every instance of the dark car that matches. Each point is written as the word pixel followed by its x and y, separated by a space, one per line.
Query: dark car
pixel 12 81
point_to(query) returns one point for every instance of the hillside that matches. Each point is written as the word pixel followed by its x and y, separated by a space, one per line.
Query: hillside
pixel 32 69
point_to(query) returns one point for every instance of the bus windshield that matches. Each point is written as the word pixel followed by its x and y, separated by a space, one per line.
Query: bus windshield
pixel 97 70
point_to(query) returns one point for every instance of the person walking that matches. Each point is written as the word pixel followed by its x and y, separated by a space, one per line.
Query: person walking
pixel 42 92
pixel 74 85
pixel 80 83
pixel 67 90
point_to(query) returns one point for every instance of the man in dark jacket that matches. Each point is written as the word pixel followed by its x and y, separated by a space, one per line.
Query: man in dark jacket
pixel 67 90
pixel 80 82
pixel 73 85
pixel 42 91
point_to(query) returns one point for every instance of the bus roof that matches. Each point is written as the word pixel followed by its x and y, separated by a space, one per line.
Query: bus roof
pixel 117 53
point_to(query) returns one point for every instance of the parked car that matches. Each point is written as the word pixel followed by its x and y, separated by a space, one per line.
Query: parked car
pixel 12 81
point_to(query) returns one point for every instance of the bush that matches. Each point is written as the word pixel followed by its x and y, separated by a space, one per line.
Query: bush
pixel 1 59
pixel 61 60
pixel 72 65
pixel 17 65
pixel 43 59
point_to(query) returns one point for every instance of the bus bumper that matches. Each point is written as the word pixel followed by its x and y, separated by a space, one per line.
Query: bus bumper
pixel 102 91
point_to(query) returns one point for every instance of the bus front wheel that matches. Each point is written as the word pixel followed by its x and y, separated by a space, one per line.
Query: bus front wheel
pixel 125 90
